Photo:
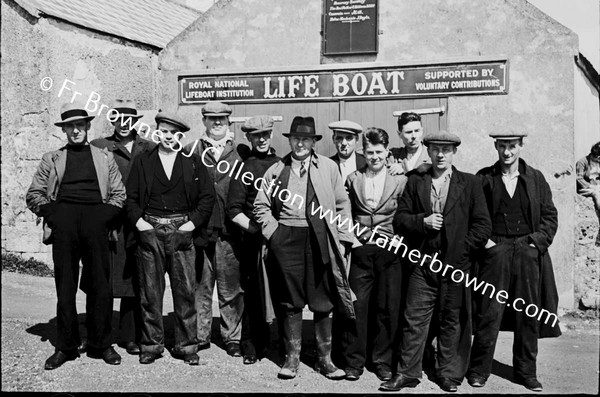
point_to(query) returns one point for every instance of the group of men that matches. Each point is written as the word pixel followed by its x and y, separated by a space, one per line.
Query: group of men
pixel 315 232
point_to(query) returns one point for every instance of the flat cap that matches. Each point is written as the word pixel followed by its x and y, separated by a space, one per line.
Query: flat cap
pixel 171 118
pixel 346 126
pixel 216 109
pixel 509 135
pixel 441 138
pixel 258 124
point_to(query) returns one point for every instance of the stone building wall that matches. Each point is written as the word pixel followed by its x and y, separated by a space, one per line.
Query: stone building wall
pixel 33 49
pixel 271 34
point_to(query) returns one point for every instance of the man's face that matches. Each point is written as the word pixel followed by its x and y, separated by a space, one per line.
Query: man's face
pixel 167 136
pixel 344 143
pixel 375 155
pixel 441 156
pixel 509 151
pixel 216 126
pixel 301 146
pixel 412 135
pixel 124 126
pixel 76 132
pixel 261 142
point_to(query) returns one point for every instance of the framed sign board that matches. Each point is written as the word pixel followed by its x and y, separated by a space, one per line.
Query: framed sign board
pixel 350 27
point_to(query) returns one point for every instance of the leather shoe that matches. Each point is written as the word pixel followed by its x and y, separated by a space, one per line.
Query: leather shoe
pixel 233 349
pixel 250 359
pixel 476 381
pixel 383 372
pixel 398 382
pixel 59 358
pixel 448 385
pixel 132 348
pixel 352 373
pixel 532 384
pixel 110 356
pixel 148 357
pixel 191 359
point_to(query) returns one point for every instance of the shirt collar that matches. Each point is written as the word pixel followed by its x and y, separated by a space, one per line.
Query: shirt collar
pixel 351 158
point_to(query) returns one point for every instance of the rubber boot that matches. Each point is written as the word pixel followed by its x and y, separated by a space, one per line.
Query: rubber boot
pixel 292 339
pixel 323 337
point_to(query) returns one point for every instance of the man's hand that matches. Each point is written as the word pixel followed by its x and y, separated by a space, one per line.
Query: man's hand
pixel 187 227
pixel 253 227
pixel 396 169
pixel 142 225
pixel 434 222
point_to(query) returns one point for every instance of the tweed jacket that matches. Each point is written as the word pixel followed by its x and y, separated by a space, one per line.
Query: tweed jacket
pixel 48 177
pixel 380 217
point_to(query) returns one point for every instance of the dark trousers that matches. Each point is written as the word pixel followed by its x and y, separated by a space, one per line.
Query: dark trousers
pixel 124 281
pixel 79 232
pixel 511 265
pixel 376 278
pixel 255 330
pixel 166 249
pixel 301 277
pixel 221 266
pixel 421 297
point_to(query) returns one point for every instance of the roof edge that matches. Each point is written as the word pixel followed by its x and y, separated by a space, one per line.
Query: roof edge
pixel 588 70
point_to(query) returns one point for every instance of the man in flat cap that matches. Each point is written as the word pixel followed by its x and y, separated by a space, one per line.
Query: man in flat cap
pixel 219 152
pixel 169 200
pixel 375 272
pixel 125 144
pixel 516 260
pixel 77 189
pixel 413 153
pixel 292 206
pixel 442 215
pixel 240 204
pixel 345 137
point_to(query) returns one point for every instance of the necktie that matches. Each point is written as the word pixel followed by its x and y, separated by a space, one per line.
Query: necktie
pixel 302 169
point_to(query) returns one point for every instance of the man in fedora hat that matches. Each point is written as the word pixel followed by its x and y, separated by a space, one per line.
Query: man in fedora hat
pixel 345 137
pixel 77 189
pixel 300 195
pixel 515 259
pixel 240 203
pixel 221 265
pixel 169 200
pixel 125 144
pixel 443 216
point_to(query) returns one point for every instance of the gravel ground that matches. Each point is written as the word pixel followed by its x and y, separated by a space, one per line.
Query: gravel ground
pixel 566 365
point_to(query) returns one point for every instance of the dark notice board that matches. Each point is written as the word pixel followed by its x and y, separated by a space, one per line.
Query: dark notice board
pixel 349 27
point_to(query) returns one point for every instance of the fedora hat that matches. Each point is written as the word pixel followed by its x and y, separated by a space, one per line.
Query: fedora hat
pixel 303 127
pixel 126 108
pixel 70 112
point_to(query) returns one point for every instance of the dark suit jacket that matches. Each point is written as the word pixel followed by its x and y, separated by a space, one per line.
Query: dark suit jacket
pixel 122 156
pixel 467 223
pixel 198 189
pixel 361 162
pixel 467 226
